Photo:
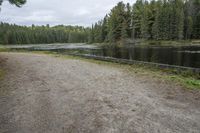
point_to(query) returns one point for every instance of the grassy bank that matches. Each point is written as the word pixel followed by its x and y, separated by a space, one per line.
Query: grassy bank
pixel 171 43
pixel 186 79
pixel 154 43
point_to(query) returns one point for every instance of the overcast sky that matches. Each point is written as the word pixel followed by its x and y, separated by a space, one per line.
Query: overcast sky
pixel 53 12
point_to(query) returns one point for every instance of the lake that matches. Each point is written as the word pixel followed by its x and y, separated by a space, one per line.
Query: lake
pixel 187 56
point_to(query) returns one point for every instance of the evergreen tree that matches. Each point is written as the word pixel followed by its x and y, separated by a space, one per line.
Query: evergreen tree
pixel 104 29
pixel 137 17
pixel 145 22
pixel 124 31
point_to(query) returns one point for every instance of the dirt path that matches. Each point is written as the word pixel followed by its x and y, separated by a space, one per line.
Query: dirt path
pixel 44 94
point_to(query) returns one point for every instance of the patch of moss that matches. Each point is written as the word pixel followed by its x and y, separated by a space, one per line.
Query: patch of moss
pixel 2 73
pixel 188 82
pixel 4 49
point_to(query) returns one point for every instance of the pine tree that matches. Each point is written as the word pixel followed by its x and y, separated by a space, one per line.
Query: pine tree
pixel 137 16
pixel 145 22
pixel 91 35
pixel 124 31
pixel 104 29
pixel 156 30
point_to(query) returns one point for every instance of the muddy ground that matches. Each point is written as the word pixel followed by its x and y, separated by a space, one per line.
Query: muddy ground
pixel 45 94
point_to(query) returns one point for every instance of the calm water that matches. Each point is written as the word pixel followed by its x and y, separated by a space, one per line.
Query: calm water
pixel 188 56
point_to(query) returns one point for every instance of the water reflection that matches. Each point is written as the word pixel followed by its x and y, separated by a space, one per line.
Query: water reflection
pixel 181 56
pixel 188 56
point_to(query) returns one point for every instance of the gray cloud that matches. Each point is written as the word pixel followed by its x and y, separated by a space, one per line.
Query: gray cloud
pixel 53 12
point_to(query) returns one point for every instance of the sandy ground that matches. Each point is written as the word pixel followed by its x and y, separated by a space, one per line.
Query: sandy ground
pixel 44 94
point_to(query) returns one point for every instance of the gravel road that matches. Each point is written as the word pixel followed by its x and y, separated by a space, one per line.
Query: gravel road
pixel 45 94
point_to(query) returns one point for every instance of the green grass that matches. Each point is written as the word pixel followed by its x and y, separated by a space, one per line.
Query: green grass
pixel 188 82
pixel 2 49
pixel 186 79
pixel 2 73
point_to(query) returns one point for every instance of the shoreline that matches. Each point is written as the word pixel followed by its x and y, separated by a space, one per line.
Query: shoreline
pixel 186 79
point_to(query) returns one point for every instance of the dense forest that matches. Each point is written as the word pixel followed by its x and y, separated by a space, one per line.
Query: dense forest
pixel 14 34
pixel 147 20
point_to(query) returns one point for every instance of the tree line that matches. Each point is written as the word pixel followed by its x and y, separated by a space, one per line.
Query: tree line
pixel 14 34
pixel 149 20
